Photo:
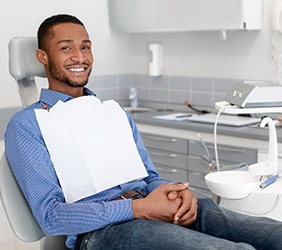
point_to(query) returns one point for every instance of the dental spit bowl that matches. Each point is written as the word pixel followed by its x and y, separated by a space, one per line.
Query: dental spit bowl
pixel 232 184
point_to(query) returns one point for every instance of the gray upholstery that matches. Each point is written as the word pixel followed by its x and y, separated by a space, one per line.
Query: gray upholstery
pixel 22 58
pixel 16 208
pixel 19 214
pixel 24 66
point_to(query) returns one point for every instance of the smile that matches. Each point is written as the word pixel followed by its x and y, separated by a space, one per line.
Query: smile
pixel 76 69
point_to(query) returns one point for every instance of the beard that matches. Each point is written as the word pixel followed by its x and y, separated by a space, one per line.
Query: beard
pixel 59 75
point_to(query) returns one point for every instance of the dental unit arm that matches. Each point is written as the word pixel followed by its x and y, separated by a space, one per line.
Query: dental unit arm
pixel 265 202
pixel 270 166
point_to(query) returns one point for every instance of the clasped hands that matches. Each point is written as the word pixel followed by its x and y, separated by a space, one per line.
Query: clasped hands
pixel 170 203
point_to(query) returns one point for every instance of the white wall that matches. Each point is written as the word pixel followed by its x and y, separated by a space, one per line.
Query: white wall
pixel 22 18
pixel 244 55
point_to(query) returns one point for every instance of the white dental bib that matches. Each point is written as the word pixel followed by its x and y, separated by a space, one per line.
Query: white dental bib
pixel 91 146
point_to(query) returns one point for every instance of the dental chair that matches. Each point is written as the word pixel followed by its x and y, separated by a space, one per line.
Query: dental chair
pixel 24 66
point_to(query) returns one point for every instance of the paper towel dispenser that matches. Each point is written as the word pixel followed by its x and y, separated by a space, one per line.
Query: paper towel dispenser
pixel 136 16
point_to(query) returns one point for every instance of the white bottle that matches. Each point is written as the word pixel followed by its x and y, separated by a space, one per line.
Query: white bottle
pixel 133 98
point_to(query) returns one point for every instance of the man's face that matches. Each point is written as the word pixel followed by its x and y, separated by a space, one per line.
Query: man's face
pixel 70 57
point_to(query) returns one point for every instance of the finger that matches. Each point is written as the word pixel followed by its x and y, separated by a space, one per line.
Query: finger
pixel 188 205
pixel 189 221
pixel 175 187
pixel 172 195
pixel 186 219
pixel 187 202
pixel 190 215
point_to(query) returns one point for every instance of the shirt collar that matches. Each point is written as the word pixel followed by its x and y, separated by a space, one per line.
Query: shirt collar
pixel 51 97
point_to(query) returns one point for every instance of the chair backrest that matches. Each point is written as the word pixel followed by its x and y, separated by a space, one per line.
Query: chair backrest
pixel 19 214
pixel 16 207
pixel 24 66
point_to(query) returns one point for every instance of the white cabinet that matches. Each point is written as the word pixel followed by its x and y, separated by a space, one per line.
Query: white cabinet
pixel 134 16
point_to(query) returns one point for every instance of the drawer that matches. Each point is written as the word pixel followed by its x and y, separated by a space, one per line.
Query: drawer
pixel 225 153
pixel 165 143
pixel 172 174
pixel 197 179
pixel 201 193
pixel 198 164
pixel 168 158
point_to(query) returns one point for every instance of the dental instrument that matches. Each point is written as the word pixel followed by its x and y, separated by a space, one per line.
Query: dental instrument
pixel 269 181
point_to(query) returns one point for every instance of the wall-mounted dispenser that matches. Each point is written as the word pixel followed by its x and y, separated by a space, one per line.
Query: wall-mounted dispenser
pixel 156 58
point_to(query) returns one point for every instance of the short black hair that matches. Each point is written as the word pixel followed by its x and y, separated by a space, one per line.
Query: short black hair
pixel 44 29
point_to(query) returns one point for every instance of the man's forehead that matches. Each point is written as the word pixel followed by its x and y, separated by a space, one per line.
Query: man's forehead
pixel 72 41
pixel 69 31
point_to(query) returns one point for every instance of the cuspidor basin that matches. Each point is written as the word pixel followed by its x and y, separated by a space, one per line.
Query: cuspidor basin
pixel 232 184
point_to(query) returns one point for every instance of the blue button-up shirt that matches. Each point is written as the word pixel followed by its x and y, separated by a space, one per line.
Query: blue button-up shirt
pixel 34 171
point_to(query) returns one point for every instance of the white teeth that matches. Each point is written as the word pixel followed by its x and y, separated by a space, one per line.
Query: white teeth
pixel 76 69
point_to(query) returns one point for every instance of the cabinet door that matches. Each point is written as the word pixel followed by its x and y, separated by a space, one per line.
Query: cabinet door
pixel 172 174
pixel 165 143
pixel 168 158
pixel 202 193
pixel 198 164
pixel 134 16
pixel 197 179
pixel 225 153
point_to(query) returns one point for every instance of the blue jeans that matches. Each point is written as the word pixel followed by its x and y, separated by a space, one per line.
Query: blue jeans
pixel 215 228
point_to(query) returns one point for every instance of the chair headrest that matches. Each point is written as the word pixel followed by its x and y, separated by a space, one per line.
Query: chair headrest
pixel 22 58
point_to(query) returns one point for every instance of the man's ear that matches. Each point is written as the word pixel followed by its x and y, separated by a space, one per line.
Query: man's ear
pixel 42 56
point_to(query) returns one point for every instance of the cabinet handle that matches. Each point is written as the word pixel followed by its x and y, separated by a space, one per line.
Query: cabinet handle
pixel 162 154
pixel 201 175
pixel 166 170
pixel 235 150
pixel 159 138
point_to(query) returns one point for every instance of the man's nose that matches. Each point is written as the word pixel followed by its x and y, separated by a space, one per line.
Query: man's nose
pixel 78 56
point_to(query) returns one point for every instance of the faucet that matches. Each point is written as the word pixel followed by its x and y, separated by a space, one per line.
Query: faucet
pixel 270 166
pixel 133 97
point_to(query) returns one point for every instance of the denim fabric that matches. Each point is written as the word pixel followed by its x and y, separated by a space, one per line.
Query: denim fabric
pixel 215 228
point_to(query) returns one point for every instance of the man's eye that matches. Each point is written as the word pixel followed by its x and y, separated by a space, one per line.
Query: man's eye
pixel 85 47
pixel 65 48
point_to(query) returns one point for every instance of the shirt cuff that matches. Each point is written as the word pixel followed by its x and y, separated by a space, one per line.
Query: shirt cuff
pixel 119 211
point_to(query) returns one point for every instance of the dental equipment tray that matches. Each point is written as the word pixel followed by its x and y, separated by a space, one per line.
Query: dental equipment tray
pixel 255 94
pixel 229 120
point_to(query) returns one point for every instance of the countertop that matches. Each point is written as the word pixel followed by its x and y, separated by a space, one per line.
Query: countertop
pixel 250 132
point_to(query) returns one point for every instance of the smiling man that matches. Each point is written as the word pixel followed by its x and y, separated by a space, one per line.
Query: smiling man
pixel 115 200
pixel 67 56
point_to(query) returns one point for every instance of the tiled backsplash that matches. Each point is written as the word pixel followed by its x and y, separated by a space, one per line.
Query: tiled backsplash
pixel 166 89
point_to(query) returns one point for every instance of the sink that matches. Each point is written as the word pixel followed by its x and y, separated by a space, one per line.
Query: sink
pixel 137 109
pixel 232 184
